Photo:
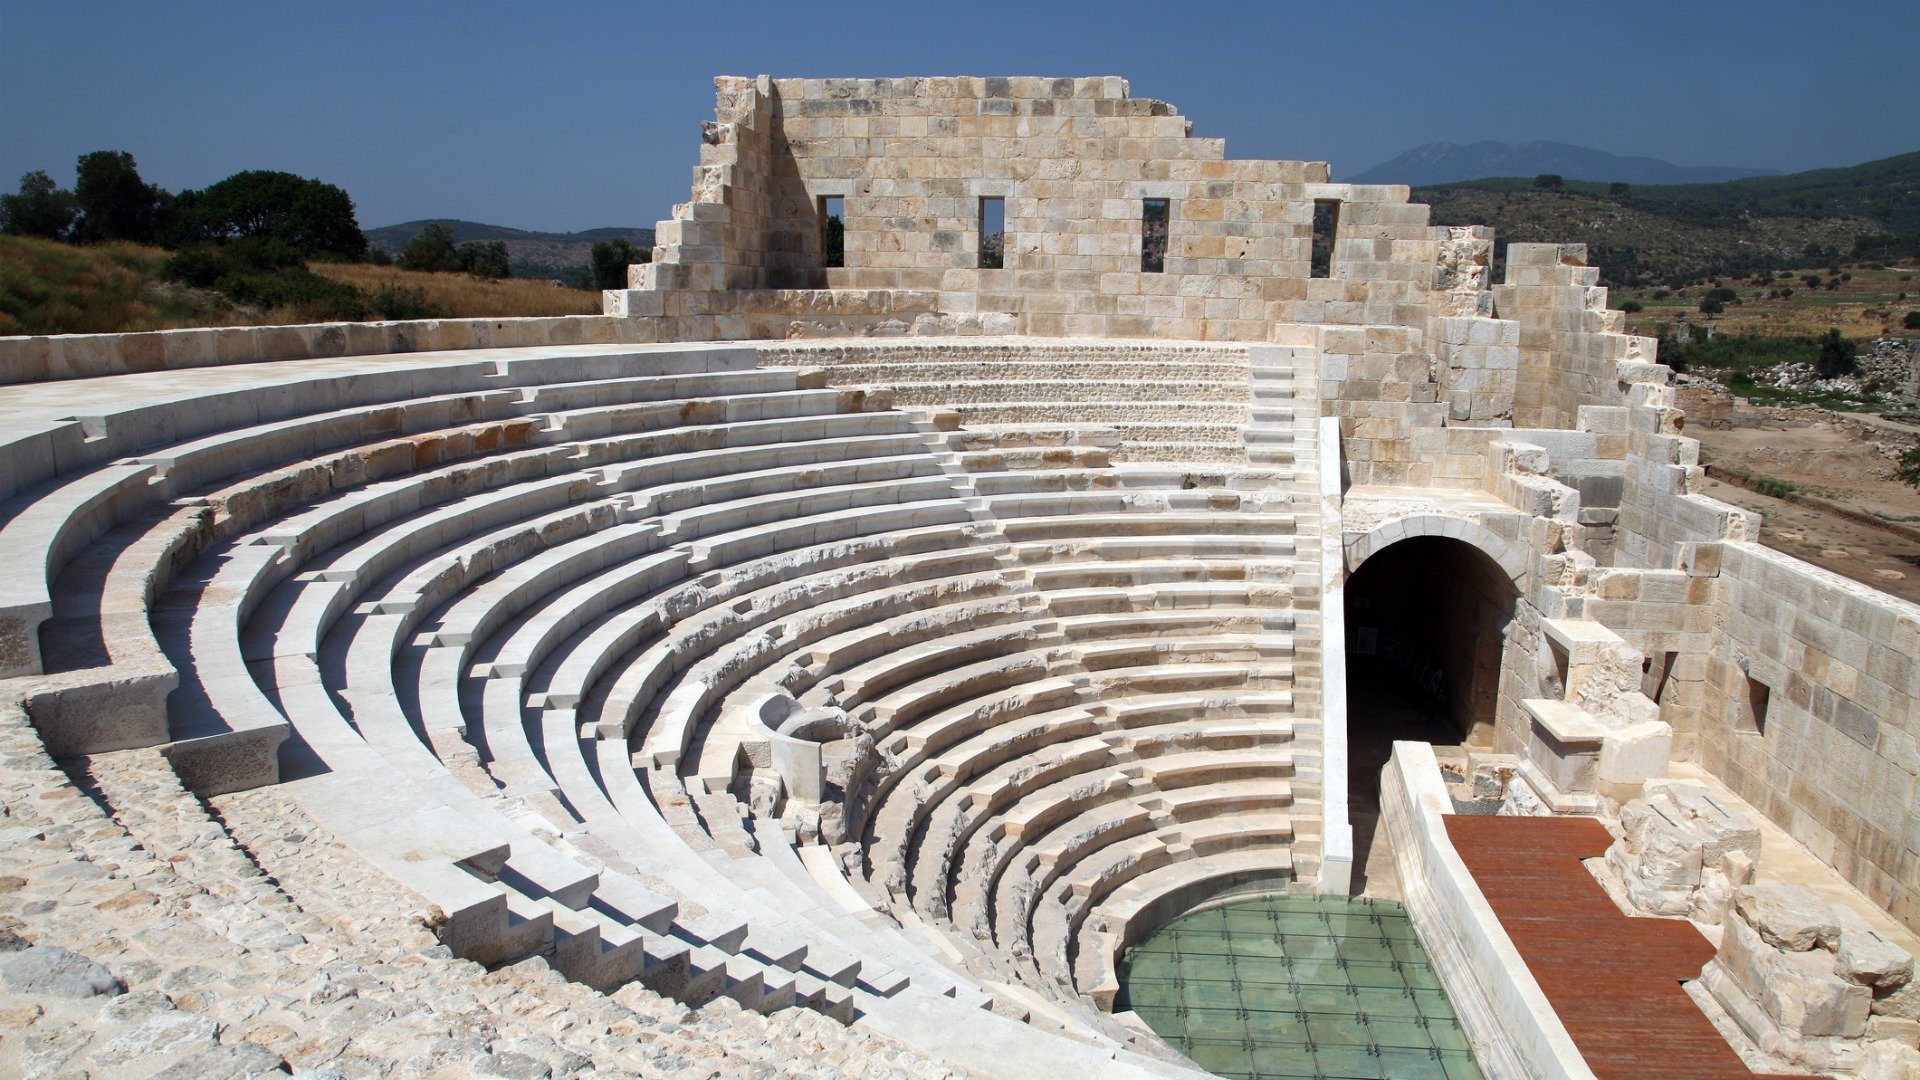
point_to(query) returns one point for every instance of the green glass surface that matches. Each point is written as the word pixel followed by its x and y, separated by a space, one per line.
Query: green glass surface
pixel 1298 987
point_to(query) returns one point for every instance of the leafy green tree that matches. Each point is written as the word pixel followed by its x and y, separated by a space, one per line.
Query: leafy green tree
pixel 1912 321
pixel 1712 305
pixel 40 209
pixel 1549 181
pixel 310 216
pixel 114 203
pixel 611 259
pixel 1632 307
pixel 483 258
pixel 432 248
pixel 1618 188
pixel 1837 356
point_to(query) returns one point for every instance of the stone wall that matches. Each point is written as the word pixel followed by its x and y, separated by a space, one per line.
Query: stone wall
pixel 86 356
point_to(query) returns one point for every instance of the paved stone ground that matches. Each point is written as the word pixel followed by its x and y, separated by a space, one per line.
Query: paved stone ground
pixel 138 938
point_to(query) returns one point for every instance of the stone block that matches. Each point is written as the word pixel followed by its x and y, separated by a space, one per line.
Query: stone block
pixel 1787 917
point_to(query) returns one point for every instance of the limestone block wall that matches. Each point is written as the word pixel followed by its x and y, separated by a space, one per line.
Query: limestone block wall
pixel 1831 748
pixel 1073 159
pixel 1570 342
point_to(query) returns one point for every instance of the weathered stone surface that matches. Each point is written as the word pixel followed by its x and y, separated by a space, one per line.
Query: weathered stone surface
pixel 51 971
pixel 1787 916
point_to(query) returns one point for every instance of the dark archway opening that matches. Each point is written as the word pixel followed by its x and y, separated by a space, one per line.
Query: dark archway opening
pixel 1426 626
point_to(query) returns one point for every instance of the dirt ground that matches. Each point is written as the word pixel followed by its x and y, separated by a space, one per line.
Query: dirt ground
pixel 1842 459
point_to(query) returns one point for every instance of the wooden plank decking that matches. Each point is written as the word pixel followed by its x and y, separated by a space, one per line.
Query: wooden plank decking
pixel 1613 979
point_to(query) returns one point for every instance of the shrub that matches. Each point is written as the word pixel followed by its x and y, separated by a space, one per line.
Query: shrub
pixel 1912 321
pixel 432 248
pixel 397 301
pixel 1549 182
pixel 611 259
pixel 1632 307
pixel 1711 306
pixel 1837 356
pixel 265 274
pixel 483 258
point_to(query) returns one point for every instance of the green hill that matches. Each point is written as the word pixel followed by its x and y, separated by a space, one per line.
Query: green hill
pixel 531 254
pixel 1673 233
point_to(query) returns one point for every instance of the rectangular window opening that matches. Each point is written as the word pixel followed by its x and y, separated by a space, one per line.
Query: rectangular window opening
pixel 1154 215
pixel 833 231
pixel 993 233
pixel 1326 222
pixel 1753 713
pixel 1657 675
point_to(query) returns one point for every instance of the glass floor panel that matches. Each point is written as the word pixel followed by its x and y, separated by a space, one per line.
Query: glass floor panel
pixel 1297 987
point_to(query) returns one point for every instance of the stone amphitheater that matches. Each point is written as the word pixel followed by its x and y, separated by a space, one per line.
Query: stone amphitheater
pixel 836 657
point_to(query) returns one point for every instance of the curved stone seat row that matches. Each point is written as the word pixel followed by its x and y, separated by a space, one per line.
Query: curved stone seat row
pixel 676 668
pixel 1186 401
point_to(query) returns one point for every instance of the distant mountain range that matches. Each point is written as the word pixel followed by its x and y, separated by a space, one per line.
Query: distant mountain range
pixel 1445 162
pixel 532 254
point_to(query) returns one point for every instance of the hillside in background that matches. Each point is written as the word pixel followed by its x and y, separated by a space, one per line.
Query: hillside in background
pixel 1445 162
pixel 530 254
pixel 1645 234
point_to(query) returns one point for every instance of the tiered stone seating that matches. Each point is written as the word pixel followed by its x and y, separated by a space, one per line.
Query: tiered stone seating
pixel 1185 402
pixel 673 667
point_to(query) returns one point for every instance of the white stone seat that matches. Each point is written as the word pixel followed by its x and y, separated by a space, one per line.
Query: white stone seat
pixel 726 459
pixel 193 465
pixel 633 389
pixel 707 679
pixel 601 421
pixel 982 780
pixel 757 541
pixel 1110 891
pixel 1120 547
pixel 1171 389
pixel 695 618
pixel 971 699
pixel 715 492
pixel 43 531
pixel 1158 894
pixel 850 669
pixel 1022 876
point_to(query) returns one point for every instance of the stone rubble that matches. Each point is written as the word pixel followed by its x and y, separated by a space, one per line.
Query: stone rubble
pixel 1816 985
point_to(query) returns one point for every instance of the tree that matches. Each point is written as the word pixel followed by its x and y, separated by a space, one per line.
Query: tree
pixel 611 259
pixel 432 248
pixel 1912 321
pixel 1549 181
pixel 312 217
pixel 1712 305
pixel 1836 356
pixel 115 204
pixel 483 258
pixel 1619 188
pixel 41 209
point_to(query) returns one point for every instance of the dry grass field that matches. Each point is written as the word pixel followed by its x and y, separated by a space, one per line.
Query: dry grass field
pixel 461 296
pixel 1866 303
pixel 48 287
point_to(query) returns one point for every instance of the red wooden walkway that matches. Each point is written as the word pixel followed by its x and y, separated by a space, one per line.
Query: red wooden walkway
pixel 1613 979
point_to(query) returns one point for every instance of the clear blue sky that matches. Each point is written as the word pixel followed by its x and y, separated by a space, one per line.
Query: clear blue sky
pixel 576 115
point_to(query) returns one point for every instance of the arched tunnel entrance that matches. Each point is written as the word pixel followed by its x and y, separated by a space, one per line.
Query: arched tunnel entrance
pixel 1426 621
